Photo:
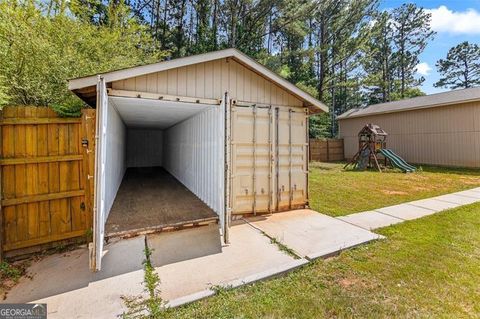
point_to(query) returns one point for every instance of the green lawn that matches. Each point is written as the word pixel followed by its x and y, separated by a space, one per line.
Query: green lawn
pixel 337 192
pixel 425 268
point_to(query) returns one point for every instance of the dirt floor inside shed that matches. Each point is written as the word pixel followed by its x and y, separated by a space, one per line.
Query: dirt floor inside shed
pixel 151 199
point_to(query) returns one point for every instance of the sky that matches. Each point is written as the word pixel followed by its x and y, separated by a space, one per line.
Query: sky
pixel 454 21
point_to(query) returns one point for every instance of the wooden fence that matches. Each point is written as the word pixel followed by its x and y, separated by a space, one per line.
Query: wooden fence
pixel 326 150
pixel 46 192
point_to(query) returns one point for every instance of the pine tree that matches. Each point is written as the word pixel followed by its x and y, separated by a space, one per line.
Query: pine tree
pixel 461 68
pixel 411 35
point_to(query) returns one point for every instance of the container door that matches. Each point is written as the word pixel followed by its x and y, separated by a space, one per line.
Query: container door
pixel 96 252
pixel 252 159
pixel 224 179
pixel 291 158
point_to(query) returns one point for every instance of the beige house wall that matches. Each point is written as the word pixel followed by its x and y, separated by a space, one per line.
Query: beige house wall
pixel 443 135
pixel 210 80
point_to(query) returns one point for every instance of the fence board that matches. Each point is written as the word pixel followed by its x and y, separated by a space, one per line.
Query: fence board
pixel 326 150
pixel 45 190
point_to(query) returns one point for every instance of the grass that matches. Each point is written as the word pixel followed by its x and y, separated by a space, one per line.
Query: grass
pixel 334 191
pixel 10 273
pixel 424 268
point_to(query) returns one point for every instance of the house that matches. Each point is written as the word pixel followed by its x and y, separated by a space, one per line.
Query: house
pixel 438 129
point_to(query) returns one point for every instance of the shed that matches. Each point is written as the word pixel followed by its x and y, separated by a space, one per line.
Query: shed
pixel 438 129
pixel 200 139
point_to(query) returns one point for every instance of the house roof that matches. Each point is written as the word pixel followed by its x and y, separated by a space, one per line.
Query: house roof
pixel 84 86
pixel 421 102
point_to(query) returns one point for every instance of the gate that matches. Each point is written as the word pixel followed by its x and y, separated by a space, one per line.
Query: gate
pixel 47 165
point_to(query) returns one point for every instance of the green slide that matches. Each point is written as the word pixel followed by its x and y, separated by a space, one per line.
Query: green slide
pixel 397 161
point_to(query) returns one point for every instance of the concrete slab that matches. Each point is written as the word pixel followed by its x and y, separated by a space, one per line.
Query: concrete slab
pixel 406 211
pixel 312 234
pixel 477 189
pixel 469 193
pixel 250 256
pixel 65 283
pixel 434 204
pixel 370 220
pixel 457 199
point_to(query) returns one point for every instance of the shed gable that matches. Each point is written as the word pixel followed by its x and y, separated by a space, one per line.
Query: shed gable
pixel 210 80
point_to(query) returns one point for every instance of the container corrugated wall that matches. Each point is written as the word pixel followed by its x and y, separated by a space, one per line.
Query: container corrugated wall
pixel 194 154
pixel 444 135
pixel 115 156
pixel 269 159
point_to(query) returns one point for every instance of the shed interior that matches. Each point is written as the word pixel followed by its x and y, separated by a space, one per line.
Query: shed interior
pixel 158 175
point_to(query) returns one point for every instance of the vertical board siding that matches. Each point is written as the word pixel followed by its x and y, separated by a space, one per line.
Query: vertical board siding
pixel 326 150
pixel 193 153
pixel 444 135
pixel 210 80
pixel 44 171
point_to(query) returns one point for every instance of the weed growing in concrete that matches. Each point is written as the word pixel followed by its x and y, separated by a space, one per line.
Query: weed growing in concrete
pixel 153 305
pixel 10 274
pixel 8 271
pixel 284 248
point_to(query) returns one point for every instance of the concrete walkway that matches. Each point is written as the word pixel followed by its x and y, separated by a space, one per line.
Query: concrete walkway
pixel 311 234
pixel 387 216
pixel 192 263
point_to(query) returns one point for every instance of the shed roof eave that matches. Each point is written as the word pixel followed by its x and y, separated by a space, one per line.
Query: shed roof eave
pixel 351 115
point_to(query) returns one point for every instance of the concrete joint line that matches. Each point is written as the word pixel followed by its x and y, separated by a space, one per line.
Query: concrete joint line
pixel 275 240
pixel 457 194
pixel 368 229
pixel 389 215
pixel 446 201
pixel 346 221
pixel 422 207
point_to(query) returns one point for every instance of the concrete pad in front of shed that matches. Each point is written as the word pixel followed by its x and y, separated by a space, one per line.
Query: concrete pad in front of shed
pixel 406 211
pixel 457 199
pixel 434 204
pixel 370 220
pixel 65 282
pixel 312 234
pixel 250 256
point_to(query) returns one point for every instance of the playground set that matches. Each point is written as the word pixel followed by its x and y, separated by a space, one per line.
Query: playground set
pixel 371 143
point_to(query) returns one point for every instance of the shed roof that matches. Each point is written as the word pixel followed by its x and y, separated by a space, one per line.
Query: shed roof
pixel 421 102
pixel 86 84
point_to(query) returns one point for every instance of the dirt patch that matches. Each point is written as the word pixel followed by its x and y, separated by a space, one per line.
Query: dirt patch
pixel 388 192
pixel 351 283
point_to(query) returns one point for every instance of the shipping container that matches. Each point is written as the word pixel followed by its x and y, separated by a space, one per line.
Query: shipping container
pixel 202 139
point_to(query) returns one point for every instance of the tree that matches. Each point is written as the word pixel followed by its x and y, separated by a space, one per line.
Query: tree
pixel 377 59
pixel 39 52
pixel 461 68
pixel 412 32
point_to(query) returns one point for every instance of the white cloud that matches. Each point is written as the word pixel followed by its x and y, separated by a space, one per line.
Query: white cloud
pixel 423 68
pixel 456 22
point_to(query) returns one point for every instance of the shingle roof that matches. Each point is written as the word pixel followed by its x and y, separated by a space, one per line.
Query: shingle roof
pixel 427 101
